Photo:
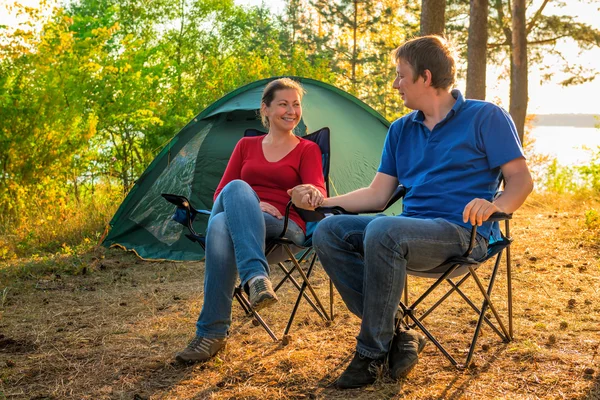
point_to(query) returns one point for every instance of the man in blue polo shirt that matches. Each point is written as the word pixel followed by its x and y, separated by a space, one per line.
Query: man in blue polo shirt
pixel 449 154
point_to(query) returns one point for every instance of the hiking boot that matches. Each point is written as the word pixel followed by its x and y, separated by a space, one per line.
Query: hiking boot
pixel 362 371
pixel 200 349
pixel 262 294
pixel 404 352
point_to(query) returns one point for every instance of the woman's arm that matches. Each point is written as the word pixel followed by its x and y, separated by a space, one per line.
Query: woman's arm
pixel 311 192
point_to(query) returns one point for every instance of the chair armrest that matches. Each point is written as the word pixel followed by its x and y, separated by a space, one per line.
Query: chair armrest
pixel 495 217
pixel 309 215
pixel 499 216
pixel 399 193
pixel 185 212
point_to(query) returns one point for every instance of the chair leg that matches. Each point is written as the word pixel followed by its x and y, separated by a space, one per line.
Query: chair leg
pixel 331 299
pixel 286 338
pixel 245 304
pixel 297 285
pixel 486 295
pixel 288 273
pixel 509 290
pixel 479 312
pixel 503 333
pixel 305 278
pixel 408 312
pixel 455 287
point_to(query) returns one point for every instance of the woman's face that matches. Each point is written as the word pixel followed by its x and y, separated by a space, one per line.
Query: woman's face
pixel 285 110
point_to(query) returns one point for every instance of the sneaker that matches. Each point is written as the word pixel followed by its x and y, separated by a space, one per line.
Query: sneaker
pixel 262 294
pixel 362 371
pixel 200 349
pixel 404 352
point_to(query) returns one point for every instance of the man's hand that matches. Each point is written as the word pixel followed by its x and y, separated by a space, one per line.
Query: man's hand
pixel 306 196
pixel 269 209
pixel 478 211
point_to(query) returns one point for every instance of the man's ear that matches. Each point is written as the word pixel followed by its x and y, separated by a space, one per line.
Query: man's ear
pixel 427 78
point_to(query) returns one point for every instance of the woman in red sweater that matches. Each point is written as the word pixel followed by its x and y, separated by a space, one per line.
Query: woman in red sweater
pixel 248 209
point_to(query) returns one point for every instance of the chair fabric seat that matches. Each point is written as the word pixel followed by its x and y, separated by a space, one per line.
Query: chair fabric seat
pixel 434 273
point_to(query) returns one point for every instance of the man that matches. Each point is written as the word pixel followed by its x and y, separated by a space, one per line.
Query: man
pixel 449 153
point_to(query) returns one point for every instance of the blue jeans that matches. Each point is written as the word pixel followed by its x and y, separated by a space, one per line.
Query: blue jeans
pixel 235 244
pixel 366 257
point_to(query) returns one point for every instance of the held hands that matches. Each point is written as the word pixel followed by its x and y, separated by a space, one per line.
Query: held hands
pixel 478 211
pixel 306 196
pixel 269 209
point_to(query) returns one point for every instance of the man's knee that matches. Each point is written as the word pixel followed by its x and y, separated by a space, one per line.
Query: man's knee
pixel 384 234
pixel 322 235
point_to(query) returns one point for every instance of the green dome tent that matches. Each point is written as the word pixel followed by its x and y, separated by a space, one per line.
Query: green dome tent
pixel 194 160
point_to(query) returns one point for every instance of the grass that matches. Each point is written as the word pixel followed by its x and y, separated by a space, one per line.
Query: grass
pixel 105 325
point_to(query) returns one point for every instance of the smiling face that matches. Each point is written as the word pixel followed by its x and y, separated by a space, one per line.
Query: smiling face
pixel 411 90
pixel 284 111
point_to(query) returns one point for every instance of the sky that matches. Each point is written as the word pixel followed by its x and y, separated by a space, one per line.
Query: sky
pixel 544 98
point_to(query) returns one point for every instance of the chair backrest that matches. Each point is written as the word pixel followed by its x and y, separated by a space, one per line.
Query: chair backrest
pixel 321 138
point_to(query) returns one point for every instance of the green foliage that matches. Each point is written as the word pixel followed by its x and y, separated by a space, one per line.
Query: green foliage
pixel 590 173
pixel 71 225
pixel 592 219
pixel 572 179
pixel 90 93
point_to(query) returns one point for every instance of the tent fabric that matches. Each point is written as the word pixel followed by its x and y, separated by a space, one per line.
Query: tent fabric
pixel 192 163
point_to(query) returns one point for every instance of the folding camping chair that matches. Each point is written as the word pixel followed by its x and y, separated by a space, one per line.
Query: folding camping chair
pixel 186 213
pixel 455 267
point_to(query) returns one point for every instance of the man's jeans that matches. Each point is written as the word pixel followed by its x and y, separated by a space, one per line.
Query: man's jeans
pixel 366 257
pixel 235 244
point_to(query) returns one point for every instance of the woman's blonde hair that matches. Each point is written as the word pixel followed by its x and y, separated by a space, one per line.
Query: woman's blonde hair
pixel 269 94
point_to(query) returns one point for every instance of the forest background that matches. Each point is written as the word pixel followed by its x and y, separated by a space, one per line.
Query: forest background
pixel 91 90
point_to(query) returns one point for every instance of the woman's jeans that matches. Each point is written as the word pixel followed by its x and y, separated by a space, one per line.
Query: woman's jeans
pixel 235 244
pixel 366 257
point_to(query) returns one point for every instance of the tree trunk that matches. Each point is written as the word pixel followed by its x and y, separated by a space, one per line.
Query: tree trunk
pixel 433 17
pixel 354 46
pixel 477 50
pixel 518 68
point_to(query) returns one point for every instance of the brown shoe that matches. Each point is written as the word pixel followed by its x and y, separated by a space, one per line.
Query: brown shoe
pixel 404 352
pixel 200 349
pixel 262 294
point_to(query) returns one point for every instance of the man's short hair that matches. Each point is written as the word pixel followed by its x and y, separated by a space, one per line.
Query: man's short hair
pixel 430 52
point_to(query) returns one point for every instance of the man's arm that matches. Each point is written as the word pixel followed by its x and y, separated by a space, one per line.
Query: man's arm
pixel 373 197
pixel 517 186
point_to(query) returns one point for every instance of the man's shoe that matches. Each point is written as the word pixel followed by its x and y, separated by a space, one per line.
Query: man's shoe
pixel 200 349
pixel 404 353
pixel 362 371
pixel 262 294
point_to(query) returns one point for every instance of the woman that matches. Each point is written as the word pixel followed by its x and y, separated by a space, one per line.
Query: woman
pixel 248 209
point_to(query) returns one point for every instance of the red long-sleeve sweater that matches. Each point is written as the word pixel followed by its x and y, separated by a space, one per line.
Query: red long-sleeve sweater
pixel 271 180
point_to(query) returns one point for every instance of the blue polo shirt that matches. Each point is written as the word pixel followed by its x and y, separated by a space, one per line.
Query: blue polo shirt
pixel 459 160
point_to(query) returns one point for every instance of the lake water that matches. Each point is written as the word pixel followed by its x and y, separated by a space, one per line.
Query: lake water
pixel 566 143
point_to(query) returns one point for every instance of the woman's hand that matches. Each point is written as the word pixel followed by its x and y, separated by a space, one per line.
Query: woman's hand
pixel 306 196
pixel 478 211
pixel 269 209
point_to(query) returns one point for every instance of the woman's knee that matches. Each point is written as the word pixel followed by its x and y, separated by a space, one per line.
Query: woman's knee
pixel 236 186
pixel 239 192
pixel 217 229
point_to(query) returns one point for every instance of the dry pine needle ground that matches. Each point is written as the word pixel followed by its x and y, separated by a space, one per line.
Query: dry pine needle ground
pixel 112 333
